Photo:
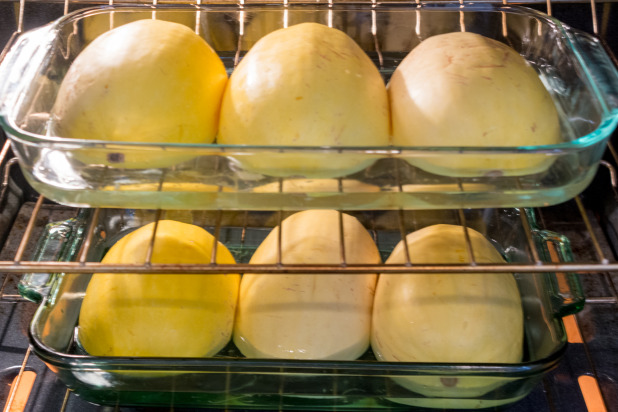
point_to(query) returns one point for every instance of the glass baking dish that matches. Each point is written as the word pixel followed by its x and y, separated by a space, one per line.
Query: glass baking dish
pixel 573 66
pixel 229 380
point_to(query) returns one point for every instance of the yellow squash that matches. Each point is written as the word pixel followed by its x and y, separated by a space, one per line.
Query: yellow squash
pixel 168 315
pixel 447 318
pixel 305 85
pixel 464 89
pixel 308 316
pixel 148 81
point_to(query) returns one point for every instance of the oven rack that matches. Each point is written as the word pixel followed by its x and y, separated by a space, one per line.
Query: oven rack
pixel 39 212
pixel 601 264
pixel 604 302
pixel 21 263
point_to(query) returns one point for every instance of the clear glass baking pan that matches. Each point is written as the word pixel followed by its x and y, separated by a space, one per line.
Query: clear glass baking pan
pixel 229 380
pixel 573 66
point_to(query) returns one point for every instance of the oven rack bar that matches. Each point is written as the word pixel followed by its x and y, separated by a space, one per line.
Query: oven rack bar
pixel 21 265
pixel 285 3
pixel 154 268
pixel 15 266
pixel 603 263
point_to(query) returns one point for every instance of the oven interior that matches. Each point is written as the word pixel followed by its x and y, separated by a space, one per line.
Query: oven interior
pixel 586 379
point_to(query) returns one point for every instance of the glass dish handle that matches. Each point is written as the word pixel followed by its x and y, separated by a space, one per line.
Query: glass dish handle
pixel 599 65
pixel 22 63
pixel 60 242
pixel 565 289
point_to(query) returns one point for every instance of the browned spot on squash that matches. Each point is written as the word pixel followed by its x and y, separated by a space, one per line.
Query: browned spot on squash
pixel 449 382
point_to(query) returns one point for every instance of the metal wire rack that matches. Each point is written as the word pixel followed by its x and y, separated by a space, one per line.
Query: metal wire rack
pixel 600 262
pixel 21 264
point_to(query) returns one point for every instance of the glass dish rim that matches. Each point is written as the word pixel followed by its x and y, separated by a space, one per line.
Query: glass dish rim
pixel 602 132
pixel 321 367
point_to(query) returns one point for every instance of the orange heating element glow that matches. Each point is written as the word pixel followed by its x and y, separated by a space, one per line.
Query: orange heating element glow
pixel 19 394
pixel 572 330
pixel 592 394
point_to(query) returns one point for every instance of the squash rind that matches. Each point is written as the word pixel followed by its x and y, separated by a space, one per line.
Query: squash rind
pixel 308 316
pixel 447 318
pixel 168 315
